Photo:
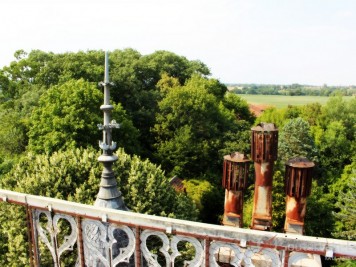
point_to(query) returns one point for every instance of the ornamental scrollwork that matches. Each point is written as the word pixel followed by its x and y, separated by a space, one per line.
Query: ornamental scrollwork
pixel 51 230
pixel 107 244
pixel 199 250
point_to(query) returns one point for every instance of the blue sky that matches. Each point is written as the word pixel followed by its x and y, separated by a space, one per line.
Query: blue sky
pixel 241 41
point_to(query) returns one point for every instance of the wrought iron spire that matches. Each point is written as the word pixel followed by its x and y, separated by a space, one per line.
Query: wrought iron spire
pixel 109 196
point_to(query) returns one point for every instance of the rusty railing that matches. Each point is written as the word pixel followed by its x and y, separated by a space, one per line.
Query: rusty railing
pixel 95 236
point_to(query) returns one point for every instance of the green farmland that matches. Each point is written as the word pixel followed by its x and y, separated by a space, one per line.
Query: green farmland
pixel 281 101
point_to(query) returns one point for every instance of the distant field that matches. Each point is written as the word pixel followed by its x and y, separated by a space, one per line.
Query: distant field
pixel 281 101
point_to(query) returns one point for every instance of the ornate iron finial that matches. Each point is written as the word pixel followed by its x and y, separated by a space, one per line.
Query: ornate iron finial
pixel 109 196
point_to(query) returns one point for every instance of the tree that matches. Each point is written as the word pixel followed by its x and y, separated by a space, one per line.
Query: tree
pixel 334 148
pixel 208 199
pixel 239 107
pixel 338 109
pixel 272 115
pixel 191 126
pixel 12 133
pixel 311 112
pixel 68 115
pixel 295 140
pixel 319 205
pixel 137 77
pixel 346 203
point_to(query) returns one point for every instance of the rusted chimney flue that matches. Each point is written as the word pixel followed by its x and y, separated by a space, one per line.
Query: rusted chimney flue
pixel 298 182
pixel 234 180
pixel 263 152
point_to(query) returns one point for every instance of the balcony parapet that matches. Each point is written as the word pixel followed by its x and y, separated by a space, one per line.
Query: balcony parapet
pixel 107 237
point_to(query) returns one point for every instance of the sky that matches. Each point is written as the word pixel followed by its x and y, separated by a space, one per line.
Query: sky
pixel 241 41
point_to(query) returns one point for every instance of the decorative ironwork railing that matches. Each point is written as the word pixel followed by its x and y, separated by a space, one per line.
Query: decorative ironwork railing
pixel 95 236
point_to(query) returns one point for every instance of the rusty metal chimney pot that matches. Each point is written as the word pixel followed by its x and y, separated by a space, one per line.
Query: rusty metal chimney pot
pixel 300 163
pixel 298 177
pixel 264 148
pixel 234 180
pixel 236 157
pixel 298 183
pixel 264 144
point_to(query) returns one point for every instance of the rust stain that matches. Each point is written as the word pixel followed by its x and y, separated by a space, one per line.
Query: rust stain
pixel 298 181
pixel 234 180
pixel 264 147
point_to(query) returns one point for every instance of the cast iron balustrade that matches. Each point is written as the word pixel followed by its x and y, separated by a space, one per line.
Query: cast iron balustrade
pixel 96 236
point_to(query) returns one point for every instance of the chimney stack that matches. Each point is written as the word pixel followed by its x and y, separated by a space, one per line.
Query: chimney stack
pixel 263 152
pixel 298 182
pixel 234 180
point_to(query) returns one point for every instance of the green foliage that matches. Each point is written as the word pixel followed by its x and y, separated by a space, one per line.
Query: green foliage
pixel 279 116
pixel 13 236
pixel 346 263
pixel 342 184
pixel 346 203
pixel 135 77
pixel 247 212
pixel 272 115
pixel 208 198
pixel 166 83
pixel 170 112
pixel 311 112
pixel 319 205
pixel 192 125
pixel 239 107
pixel 335 148
pixel 292 90
pixel 61 120
pixel 338 109
pixel 147 190
pixel 53 176
pixel 137 87
pixel 12 133
pixel 57 175
pixel 67 117
pixel 295 140
pixel 278 202
pixel 74 175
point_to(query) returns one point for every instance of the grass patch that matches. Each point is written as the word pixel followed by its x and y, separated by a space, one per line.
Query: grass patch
pixel 281 101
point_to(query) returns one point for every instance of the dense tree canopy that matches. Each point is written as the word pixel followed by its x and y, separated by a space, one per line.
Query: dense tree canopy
pixel 295 140
pixel 171 113
pixel 192 124
pixel 67 117
pixel 346 203
pixel 169 110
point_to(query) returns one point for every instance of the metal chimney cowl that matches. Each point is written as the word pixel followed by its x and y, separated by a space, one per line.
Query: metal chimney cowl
pixel 234 180
pixel 298 183
pixel 264 149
